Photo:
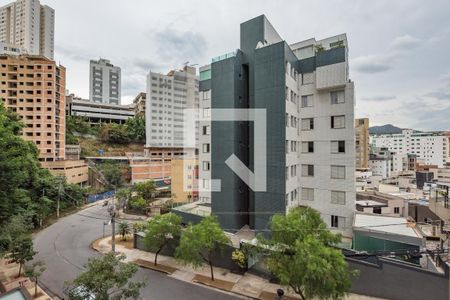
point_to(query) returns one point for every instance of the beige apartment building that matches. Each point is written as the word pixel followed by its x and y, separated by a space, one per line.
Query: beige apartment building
pixel 139 104
pixel 75 171
pixel 184 183
pixel 362 143
pixel 34 87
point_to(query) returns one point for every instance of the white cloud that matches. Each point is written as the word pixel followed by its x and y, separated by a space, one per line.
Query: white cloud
pixel 377 63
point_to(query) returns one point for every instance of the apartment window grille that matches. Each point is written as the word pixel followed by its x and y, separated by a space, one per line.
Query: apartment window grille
pixel 307 170
pixel 337 97
pixel 308 124
pixel 338 197
pixel 337 122
pixel 307 194
pixel 307 147
pixel 338 172
pixel 337 146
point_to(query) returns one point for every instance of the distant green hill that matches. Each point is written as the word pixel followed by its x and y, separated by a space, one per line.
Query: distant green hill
pixel 384 129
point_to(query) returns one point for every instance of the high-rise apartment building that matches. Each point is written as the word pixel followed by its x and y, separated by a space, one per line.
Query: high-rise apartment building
pixel 139 104
pixel 204 135
pixel 27 27
pixel 362 150
pixel 310 150
pixel 104 82
pixel 34 87
pixel 431 148
pixel 167 97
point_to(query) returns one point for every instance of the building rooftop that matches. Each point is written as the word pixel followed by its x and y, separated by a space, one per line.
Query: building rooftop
pixel 369 203
pixel 16 294
pixel 385 224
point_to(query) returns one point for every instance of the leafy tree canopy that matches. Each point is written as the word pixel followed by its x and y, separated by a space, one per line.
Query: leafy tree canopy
pixel 146 189
pixel 25 188
pixel 136 128
pixel 108 277
pixel 303 258
pixel 160 230
pixel 199 242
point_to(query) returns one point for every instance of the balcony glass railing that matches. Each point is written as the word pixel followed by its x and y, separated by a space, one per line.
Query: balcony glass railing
pixel 224 56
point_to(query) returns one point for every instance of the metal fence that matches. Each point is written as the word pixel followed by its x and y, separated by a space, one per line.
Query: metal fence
pixel 100 196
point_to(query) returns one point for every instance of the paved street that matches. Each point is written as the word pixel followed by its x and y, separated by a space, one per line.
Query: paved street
pixel 64 246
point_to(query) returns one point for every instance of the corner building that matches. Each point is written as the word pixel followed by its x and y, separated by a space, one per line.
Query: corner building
pixel 309 102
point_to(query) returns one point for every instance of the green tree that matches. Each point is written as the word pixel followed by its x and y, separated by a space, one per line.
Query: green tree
pixel 34 272
pixel 199 242
pixel 124 230
pixel 137 203
pixel 25 188
pixel 160 231
pixel 138 226
pixel 146 190
pixel 21 251
pixel 123 195
pixel 108 277
pixel 15 228
pixel 136 128
pixel 113 174
pixel 114 133
pixel 18 168
pixel 303 257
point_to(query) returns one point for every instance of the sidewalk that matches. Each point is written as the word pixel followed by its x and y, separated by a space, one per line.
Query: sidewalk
pixel 247 285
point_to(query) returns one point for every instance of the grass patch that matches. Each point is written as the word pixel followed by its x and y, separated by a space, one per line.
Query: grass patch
pixel 216 283
pixel 159 267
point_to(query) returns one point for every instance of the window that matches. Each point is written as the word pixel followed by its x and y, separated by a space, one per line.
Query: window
pixel 205 183
pixel 337 146
pixel 307 147
pixel 206 166
pixel 307 194
pixel 206 130
pixel 307 170
pixel 337 222
pixel 307 101
pixel 287 120
pixel 293 146
pixel 294 171
pixel 338 197
pixel 338 172
pixel 206 112
pixel 337 122
pixel 337 97
pixel 205 148
pixel 308 124
pixel 396 210
pixel 207 94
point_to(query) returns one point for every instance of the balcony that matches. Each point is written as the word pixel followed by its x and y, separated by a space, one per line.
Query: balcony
pixel 224 56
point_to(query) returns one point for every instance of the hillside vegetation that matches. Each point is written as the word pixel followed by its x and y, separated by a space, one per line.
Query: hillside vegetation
pixel 112 139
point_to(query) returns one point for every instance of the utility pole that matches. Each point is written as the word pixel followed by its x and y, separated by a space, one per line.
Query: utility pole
pixel 59 198
pixel 112 213
pixel 41 217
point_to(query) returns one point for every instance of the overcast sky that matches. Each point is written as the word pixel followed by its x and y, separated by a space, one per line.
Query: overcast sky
pixel 399 50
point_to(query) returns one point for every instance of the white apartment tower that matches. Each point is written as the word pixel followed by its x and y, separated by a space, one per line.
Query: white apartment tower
pixel 327 132
pixel 204 135
pixel 104 82
pixel 431 148
pixel 167 97
pixel 27 27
